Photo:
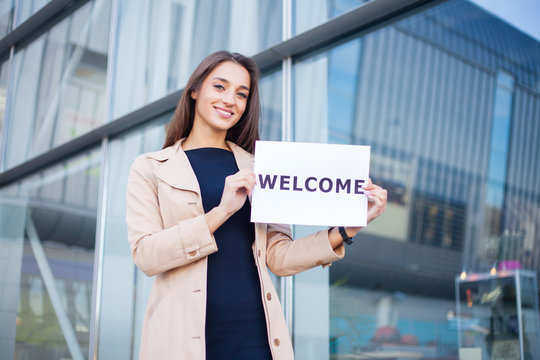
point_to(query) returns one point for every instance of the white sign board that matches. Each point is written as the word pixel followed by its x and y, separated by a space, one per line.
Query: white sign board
pixel 310 184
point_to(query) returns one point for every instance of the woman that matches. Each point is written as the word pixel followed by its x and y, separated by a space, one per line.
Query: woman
pixel 188 222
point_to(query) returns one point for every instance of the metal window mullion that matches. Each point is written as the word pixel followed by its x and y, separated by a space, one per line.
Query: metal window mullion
pixel 458 310
pixel 7 110
pixel 102 193
pixel 286 100
pixel 16 13
pixel 98 251
pixel 55 101
pixel 286 21
pixel 517 279
pixel 286 66
pixel 109 85
pixel 286 135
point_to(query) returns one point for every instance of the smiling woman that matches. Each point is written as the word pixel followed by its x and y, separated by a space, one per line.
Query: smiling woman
pixel 220 102
pixel 227 74
pixel 189 200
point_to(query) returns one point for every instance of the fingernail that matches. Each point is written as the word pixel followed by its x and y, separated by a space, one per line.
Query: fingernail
pixel 367 192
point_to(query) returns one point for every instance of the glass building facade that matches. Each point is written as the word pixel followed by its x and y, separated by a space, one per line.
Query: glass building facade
pixel 446 94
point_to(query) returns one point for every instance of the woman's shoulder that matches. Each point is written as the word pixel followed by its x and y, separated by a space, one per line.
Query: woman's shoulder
pixel 149 161
pixel 244 159
pixel 239 151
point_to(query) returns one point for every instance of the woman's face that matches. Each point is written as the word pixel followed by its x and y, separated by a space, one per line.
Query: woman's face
pixel 222 98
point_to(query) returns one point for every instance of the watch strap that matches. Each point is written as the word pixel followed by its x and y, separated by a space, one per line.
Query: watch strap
pixel 346 239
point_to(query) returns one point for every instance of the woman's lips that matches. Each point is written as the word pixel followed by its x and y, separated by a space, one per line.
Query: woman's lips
pixel 224 113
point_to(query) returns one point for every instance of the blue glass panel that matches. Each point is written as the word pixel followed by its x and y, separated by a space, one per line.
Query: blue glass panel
pixel 505 80
pixel 124 290
pixel 47 236
pixel 7 8
pixel 270 90
pixel 58 90
pixel 319 12
pixel 445 127
pixel 159 43
pixel 26 9
pixel 501 120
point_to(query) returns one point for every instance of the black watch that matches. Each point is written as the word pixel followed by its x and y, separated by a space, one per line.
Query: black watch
pixel 346 239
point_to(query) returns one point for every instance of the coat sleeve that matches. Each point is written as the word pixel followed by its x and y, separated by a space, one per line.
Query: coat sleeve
pixel 155 249
pixel 285 257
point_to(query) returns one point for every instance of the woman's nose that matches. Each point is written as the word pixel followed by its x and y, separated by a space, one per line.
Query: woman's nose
pixel 228 97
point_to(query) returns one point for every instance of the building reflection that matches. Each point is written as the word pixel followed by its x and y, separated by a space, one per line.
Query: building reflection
pixel 56 266
pixel 440 97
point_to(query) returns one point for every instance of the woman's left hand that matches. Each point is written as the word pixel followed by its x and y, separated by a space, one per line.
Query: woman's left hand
pixel 376 204
pixel 376 200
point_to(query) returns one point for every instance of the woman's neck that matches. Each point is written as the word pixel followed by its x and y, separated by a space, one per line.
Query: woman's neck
pixel 197 140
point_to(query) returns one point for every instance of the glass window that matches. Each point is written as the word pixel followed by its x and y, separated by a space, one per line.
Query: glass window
pixel 270 93
pixel 159 43
pixel 319 12
pixel 26 9
pixel 58 90
pixel 441 124
pixel 124 288
pixel 12 218
pixel 4 76
pixel 7 8
pixel 498 315
pixel 47 236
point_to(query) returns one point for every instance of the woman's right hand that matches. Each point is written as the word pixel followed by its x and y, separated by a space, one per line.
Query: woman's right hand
pixel 237 187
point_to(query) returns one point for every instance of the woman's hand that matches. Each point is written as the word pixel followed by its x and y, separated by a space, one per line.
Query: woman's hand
pixel 376 204
pixel 237 187
pixel 376 200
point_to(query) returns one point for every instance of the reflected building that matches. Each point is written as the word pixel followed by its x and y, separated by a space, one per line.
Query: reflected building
pixel 446 94
pixel 447 99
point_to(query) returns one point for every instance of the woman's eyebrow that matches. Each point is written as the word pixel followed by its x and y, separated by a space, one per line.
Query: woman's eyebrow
pixel 228 82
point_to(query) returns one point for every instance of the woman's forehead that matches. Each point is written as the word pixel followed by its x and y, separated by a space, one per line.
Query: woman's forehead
pixel 231 72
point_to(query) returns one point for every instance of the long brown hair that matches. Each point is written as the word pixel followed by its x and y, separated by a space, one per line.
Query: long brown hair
pixel 246 131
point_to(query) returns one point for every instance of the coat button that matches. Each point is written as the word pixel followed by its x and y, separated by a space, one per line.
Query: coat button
pixel 259 253
pixel 276 341
pixel 192 253
pixel 269 296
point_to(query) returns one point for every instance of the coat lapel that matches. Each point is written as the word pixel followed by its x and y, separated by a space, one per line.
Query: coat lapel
pixel 176 169
pixel 244 160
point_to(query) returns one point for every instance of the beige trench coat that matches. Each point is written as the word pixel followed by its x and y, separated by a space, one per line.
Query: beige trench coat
pixel 170 239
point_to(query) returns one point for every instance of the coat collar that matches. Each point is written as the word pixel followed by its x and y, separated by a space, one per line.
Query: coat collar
pixel 176 170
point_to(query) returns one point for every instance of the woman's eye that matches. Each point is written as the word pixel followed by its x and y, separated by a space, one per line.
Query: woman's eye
pixel 242 95
pixel 219 87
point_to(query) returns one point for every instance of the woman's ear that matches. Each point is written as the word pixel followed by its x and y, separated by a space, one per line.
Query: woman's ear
pixel 193 95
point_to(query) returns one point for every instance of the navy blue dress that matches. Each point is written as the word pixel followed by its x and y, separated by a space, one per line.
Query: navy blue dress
pixel 235 320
